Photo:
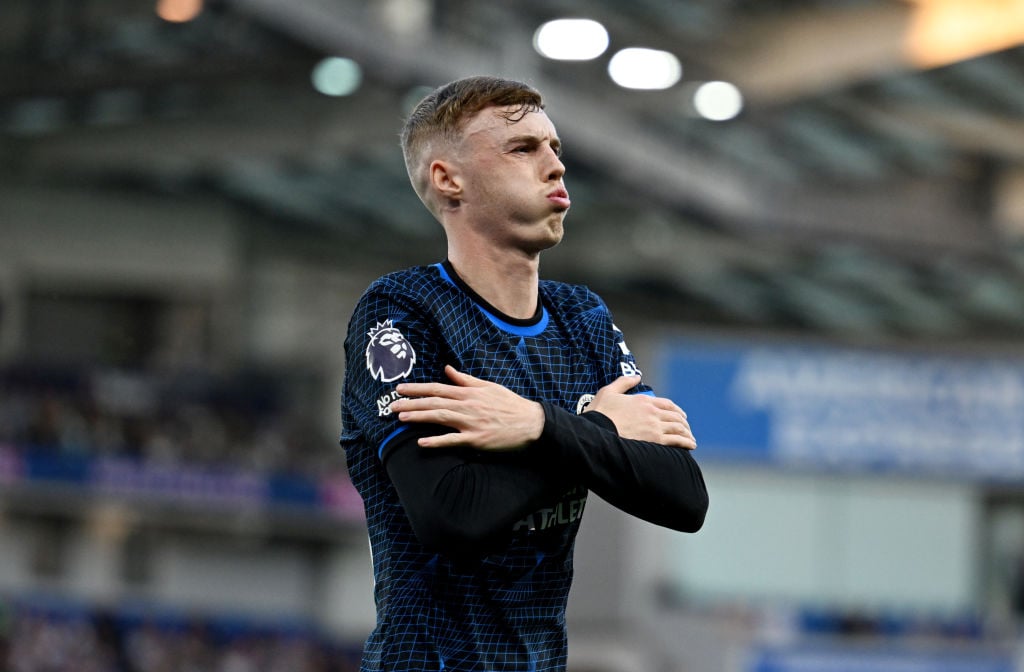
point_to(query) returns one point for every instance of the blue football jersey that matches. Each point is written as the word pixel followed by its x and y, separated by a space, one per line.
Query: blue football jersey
pixel 504 610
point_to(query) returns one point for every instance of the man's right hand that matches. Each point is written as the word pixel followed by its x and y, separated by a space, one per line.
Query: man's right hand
pixel 485 415
pixel 643 417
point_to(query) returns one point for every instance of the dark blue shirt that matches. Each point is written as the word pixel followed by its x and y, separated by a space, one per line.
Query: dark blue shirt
pixel 504 609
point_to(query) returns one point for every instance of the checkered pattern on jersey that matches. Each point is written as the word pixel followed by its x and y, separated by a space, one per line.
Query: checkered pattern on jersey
pixel 504 611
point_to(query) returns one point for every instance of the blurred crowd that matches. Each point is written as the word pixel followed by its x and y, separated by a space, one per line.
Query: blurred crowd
pixel 245 422
pixel 38 640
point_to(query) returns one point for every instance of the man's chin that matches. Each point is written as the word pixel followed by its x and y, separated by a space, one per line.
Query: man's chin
pixel 556 231
pixel 546 235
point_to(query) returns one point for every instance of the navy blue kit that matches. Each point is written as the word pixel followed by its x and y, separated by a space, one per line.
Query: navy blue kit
pixel 472 550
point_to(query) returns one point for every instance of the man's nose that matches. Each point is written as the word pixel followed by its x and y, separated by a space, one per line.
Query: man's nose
pixel 557 168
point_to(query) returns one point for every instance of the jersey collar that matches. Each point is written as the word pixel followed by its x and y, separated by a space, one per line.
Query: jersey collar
pixel 530 326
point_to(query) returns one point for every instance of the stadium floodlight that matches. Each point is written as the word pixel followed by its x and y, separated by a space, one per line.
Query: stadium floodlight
pixel 718 101
pixel 641 68
pixel 940 32
pixel 334 76
pixel 178 11
pixel 571 39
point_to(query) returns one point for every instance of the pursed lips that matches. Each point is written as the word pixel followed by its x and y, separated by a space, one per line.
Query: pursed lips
pixel 560 196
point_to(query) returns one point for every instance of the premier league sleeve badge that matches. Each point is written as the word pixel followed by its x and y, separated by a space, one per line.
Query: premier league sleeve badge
pixel 389 356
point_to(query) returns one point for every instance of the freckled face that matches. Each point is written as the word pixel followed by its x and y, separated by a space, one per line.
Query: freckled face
pixel 512 178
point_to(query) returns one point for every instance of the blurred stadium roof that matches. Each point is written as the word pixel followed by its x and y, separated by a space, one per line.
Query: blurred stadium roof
pixel 864 191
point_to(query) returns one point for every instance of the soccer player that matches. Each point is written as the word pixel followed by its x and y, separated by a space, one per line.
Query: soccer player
pixel 481 404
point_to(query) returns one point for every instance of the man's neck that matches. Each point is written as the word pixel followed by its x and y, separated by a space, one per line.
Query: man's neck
pixel 508 280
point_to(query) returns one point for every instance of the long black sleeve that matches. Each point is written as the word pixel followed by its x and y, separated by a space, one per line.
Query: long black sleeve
pixel 463 500
pixel 660 484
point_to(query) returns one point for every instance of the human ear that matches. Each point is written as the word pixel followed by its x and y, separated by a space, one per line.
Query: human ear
pixel 445 179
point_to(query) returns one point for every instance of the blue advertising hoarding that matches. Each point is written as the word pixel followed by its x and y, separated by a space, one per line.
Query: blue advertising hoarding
pixel 128 478
pixel 863 659
pixel 846 408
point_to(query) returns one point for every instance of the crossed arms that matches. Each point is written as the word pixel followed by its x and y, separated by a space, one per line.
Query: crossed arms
pixel 478 457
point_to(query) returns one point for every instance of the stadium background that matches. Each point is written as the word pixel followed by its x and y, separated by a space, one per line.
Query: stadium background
pixel 831 282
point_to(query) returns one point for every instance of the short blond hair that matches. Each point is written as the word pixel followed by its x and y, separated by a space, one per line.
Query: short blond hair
pixel 438 119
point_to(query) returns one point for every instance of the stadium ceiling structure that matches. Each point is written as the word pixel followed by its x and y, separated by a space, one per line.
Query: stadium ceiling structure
pixel 872 186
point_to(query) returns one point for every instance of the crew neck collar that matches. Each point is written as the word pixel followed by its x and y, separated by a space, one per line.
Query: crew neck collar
pixel 522 326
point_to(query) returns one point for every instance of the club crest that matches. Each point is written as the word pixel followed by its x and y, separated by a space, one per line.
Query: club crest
pixel 583 402
pixel 389 356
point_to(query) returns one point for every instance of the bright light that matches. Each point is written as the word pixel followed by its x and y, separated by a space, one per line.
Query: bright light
pixel 407 18
pixel 717 101
pixel 571 39
pixel 945 31
pixel 638 68
pixel 337 76
pixel 178 11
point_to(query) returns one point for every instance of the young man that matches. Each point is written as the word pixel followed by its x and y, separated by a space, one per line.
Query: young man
pixel 464 398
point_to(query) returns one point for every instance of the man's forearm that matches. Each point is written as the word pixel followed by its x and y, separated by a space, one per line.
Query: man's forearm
pixel 660 484
pixel 463 500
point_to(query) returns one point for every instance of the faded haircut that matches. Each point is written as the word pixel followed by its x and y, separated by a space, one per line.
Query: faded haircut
pixel 438 119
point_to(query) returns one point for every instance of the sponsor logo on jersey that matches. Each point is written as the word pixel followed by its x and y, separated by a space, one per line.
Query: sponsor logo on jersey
pixel 622 340
pixel 629 369
pixel 389 356
pixel 566 511
pixel 628 365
